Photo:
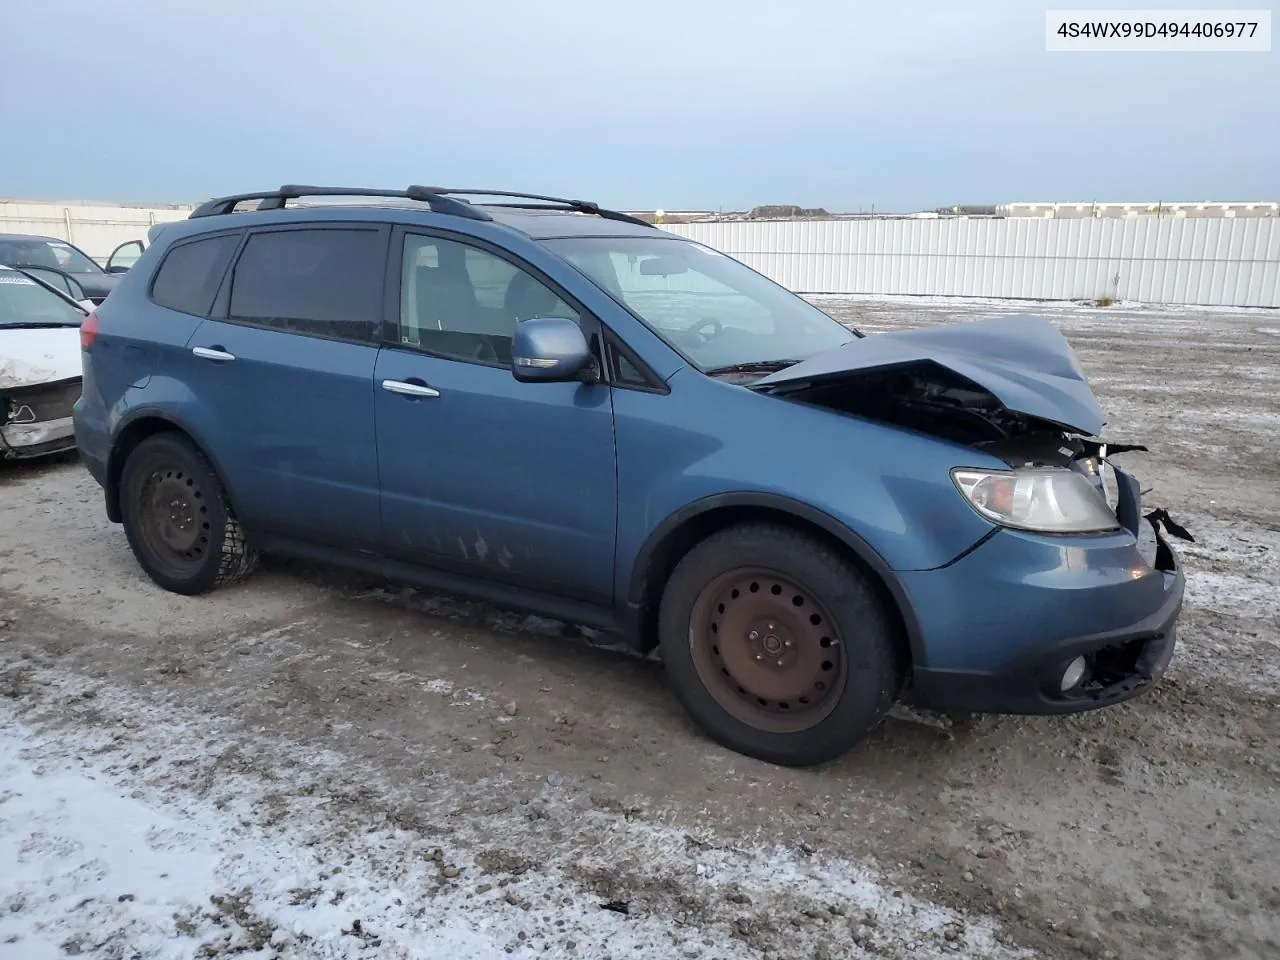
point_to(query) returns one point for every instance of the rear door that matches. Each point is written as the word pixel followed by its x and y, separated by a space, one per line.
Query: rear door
pixel 482 473
pixel 284 373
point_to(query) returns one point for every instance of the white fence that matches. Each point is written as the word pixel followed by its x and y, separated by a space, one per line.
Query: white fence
pixel 97 229
pixel 1230 262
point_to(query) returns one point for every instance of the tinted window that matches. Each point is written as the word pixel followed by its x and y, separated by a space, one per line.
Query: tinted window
pixel 322 282
pixel 188 278
pixel 460 301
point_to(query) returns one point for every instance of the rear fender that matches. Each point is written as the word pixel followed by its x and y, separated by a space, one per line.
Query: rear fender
pixel 136 425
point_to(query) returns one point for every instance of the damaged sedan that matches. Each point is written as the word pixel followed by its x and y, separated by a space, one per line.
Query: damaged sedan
pixel 560 408
pixel 39 366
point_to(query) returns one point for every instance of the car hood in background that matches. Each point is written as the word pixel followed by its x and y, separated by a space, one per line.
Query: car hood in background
pixel 1023 361
pixel 31 356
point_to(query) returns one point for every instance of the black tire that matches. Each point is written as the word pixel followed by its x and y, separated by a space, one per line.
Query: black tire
pixel 858 687
pixel 191 542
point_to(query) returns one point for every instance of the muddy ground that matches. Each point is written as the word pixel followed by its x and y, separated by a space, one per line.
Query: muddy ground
pixel 316 764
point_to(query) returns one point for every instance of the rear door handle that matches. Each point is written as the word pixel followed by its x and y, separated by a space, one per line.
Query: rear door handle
pixel 407 389
pixel 212 353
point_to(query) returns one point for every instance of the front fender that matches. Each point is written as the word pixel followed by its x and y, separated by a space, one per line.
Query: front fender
pixel 757 500
pixel 891 488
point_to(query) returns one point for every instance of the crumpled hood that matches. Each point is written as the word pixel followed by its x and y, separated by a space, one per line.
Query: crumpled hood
pixel 1022 360
pixel 38 355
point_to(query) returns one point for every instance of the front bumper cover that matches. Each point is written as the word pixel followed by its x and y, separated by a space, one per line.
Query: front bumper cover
pixel 38 439
pixel 35 419
pixel 1136 658
pixel 1122 662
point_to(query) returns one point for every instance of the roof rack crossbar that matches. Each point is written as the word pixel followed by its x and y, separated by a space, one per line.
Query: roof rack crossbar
pixel 580 206
pixel 276 199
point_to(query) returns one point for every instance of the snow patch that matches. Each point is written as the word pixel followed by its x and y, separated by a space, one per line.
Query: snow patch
pixel 111 851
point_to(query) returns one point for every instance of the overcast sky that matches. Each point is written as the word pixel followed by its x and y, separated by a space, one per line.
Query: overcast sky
pixel 643 104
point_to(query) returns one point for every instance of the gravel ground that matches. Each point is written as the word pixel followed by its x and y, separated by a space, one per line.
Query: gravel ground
pixel 315 764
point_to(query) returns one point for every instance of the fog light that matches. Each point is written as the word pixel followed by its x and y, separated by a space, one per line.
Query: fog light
pixel 1074 673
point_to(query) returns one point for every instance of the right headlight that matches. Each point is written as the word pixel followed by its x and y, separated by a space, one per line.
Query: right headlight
pixel 1043 499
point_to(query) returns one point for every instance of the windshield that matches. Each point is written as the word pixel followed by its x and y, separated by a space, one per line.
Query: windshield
pixel 24 303
pixel 711 308
pixel 38 252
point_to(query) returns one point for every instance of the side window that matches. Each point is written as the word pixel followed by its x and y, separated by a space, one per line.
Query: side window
pixel 459 301
pixel 189 274
pixel 325 283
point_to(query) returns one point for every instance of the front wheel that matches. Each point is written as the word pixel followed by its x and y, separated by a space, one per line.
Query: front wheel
pixel 778 645
pixel 178 519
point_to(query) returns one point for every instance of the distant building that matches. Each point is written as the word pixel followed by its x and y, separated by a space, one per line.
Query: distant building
pixel 1090 209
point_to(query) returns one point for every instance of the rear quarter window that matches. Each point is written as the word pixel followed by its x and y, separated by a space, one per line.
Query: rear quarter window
pixel 189 274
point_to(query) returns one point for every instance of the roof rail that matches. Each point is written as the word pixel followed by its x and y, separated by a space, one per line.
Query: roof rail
pixel 543 202
pixel 275 200
pixel 439 199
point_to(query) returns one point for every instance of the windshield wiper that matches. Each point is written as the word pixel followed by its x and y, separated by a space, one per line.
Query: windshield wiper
pixel 755 366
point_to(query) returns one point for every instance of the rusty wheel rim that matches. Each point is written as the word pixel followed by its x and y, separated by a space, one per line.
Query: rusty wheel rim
pixel 767 650
pixel 174 519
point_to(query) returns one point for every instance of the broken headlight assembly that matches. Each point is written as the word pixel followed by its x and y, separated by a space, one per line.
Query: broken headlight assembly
pixel 1040 499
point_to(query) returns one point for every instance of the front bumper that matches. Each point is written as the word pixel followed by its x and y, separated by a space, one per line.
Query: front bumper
pixel 35 420
pixel 999 626
pixel 20 441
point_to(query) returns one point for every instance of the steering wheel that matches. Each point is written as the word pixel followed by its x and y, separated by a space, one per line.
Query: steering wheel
pixel 706 322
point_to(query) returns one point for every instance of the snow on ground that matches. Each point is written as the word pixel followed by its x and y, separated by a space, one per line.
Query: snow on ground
pixel 110 854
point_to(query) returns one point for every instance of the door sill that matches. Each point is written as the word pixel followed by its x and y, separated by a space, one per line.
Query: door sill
pixel 597 616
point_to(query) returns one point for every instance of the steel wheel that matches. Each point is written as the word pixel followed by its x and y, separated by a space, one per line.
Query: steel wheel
pixel 173 520
pixel 767 650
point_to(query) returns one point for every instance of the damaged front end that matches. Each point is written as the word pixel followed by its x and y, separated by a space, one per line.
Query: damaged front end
pixel 1061 616
pixel 35 419
pixel 1010 387
pixel 927 397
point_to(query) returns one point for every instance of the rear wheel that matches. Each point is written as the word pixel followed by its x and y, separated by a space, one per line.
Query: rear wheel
pixel 778 645
pixel 178 519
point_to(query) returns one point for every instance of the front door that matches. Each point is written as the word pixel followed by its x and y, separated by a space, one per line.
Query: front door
pixel 481 473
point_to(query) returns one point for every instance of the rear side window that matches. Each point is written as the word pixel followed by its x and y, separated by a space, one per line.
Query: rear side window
pixel 189 275
pixel 325 283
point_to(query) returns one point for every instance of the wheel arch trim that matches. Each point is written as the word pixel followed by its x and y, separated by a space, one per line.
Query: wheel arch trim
pixel 642 570
pixel 115 463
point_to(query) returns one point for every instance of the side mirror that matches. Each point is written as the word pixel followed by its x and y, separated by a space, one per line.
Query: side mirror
pixel 548 349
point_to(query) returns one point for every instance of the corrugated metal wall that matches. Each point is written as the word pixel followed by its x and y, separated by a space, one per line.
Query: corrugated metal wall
pixel 97 230
pixel 1230 262
pixel 1151 259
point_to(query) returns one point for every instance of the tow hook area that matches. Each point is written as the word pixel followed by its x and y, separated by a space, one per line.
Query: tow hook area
pixel 36 420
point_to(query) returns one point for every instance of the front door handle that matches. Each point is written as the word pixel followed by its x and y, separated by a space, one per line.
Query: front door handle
pixel 212 353
pixel 408 389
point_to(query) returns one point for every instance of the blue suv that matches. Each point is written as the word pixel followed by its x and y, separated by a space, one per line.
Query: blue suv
pixel 564 409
